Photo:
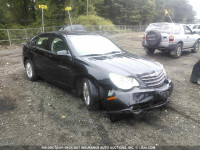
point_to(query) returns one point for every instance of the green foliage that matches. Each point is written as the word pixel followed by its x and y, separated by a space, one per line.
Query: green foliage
pixel 92 20
pixel 144 11
pixel 25 13
pixel 3 34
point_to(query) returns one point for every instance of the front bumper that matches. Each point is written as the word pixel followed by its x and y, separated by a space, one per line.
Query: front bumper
pixel 137 100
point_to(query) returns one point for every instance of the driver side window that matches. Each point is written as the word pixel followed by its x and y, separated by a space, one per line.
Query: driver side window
pixel 58 45
pixel 187 30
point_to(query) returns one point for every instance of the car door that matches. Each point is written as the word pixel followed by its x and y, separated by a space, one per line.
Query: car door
pixel 189 39
pixel 39 49
pixel 60 65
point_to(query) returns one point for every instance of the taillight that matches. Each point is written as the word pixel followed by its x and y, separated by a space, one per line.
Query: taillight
pixel 171 38
pixel 143 37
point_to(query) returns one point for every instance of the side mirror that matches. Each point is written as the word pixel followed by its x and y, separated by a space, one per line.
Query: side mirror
pixel 63 53
pixel 194 32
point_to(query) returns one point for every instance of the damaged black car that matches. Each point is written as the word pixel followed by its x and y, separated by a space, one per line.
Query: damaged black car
pixel 98 70
pixel 195 76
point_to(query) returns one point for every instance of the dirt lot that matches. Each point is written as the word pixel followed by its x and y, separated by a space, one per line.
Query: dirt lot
pixel 39 113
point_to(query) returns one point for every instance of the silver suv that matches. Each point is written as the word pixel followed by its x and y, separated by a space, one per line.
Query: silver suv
pixel 170 37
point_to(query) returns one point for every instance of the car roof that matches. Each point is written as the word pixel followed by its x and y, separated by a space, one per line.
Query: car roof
pixel 66 33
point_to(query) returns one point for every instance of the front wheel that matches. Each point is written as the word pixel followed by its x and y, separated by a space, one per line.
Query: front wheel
pixel 150 51
pixel 90 95
pixel 30 70
pixel 196 47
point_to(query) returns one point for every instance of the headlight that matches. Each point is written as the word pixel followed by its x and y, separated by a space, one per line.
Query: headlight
pixel 123 82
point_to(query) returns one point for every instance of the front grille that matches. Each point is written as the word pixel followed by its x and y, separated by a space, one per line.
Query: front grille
pixel 154 80
pixel 149 104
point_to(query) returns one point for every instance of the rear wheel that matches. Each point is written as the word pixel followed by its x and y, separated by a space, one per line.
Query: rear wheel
pixel 196 47
pixel 177 52
pixel 150 51
pixel 90 94
pixel 30 70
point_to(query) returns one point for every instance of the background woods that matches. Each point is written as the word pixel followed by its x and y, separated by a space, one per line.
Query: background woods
pixel 25 13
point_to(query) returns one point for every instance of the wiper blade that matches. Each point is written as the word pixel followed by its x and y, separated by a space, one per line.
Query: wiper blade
pixel 102 54
pixel 92 55
pixel 114 52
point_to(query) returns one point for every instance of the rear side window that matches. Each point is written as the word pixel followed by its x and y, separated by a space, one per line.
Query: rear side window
pixel 199 27
pixel 176 29
pixel 43 42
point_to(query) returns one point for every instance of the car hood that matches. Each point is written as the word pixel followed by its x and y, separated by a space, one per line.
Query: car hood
pixel 126 64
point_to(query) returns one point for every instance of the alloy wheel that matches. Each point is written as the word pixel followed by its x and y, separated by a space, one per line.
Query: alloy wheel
pixel 86 94
pixel 29 70
pixel 179 51
pixel 197 46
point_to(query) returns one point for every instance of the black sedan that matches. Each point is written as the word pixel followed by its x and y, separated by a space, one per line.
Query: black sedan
pixel 98 70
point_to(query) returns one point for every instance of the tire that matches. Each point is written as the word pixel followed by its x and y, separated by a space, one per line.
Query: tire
pixel 90 95
pixel 150 51
pixel 30 70
pixel 78 88
pixel 153 38
pixel 196 47
pixel 177 52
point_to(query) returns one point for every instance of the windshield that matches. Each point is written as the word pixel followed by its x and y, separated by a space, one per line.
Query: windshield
pixel 161 27
pixel 93 45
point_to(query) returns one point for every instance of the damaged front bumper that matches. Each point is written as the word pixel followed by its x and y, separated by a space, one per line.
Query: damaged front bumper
pixel 138 99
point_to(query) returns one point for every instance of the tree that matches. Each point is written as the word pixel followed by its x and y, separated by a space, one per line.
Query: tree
pixel 120 12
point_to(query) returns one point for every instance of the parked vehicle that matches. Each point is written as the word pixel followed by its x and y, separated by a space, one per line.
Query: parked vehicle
pixel 100 71
pixel 191 25
pixel 195 76
pixel 170 37
pixel 75 27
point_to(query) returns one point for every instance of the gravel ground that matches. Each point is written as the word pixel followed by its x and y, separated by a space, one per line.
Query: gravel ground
pixel 39 113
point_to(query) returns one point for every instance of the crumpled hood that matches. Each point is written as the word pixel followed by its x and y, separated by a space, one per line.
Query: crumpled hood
pixel 125 64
